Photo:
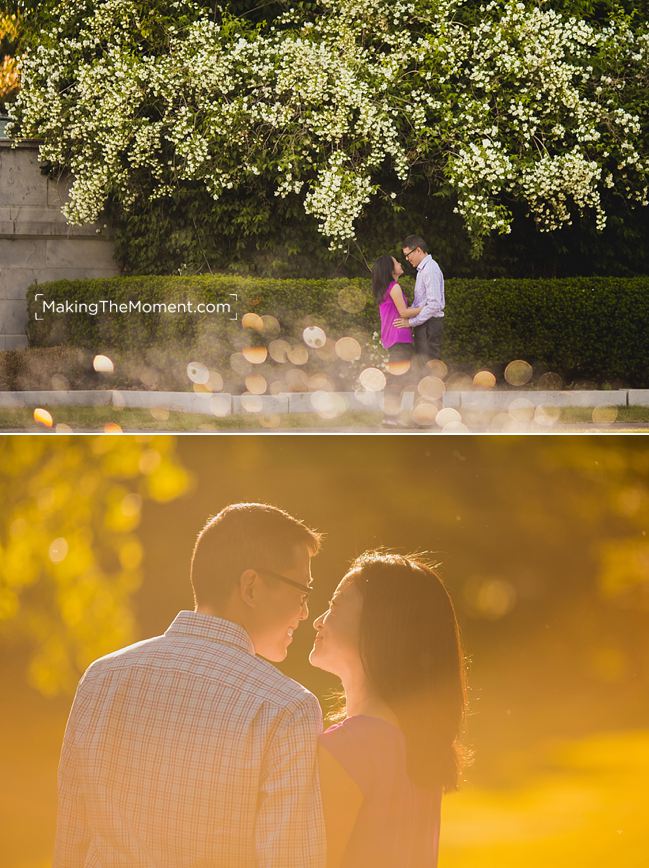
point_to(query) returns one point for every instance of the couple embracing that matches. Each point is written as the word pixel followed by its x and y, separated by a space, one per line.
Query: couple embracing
pixel 408 332
pixel 189 749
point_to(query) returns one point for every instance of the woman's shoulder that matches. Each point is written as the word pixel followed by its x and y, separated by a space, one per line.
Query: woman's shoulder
pixel 360 735
pixel 362 745
pixel 390 287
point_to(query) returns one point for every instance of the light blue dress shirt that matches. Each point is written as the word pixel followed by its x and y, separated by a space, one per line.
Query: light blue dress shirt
pixel 429 291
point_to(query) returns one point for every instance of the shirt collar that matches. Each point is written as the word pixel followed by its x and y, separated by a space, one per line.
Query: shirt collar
pixel 424 261
pixel 210 627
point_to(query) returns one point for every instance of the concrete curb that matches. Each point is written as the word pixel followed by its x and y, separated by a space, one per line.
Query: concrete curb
pixel 324 403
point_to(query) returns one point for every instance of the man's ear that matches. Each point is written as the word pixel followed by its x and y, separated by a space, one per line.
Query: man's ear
pixel 249 588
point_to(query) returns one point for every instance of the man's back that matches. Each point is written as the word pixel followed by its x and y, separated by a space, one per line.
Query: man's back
pixel 187 750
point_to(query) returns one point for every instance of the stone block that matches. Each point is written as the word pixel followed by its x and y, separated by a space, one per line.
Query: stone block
pixel 186 402
pixel 14 282
pixel 80 253
pixel 256 404
pixel 62 398
pixel 452 399
pixel 58 191
pixel 21 180
pixel 300 402
pixel 365 400
pixel 13 317
pixel 638 397
pixel 32 213
pixel 501 400
pixel 26 253
pixel 583 398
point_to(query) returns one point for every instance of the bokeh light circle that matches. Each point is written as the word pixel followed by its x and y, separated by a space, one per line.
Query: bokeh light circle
pixel 255 355
pixel 256 384
pixel 547 416
pixel 399 367
pixel 352 299
pixel 43 417
pixel 252 403
pixel 314 337
pixel 372 380
pixel 103 365
pixel 431 387
pixel 550 381
pixel 518 373
pixel 271 325
pixel 278 350
pixel 348 349
pixel 447 416
pixel 437 368
pixel 198 373
pixel 484 380
pixel 425 413
pixel 252 321
pixel 298 355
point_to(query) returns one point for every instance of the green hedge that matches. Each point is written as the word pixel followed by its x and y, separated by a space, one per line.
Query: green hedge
pixel 581 328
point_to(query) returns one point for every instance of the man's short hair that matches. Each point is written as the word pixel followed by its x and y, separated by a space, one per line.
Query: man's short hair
pixel 414 241
pixel 245 536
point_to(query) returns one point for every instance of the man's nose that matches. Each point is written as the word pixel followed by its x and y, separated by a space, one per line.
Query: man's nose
pixel 304 611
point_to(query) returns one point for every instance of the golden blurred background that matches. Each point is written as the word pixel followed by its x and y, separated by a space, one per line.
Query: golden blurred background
pixel 544 546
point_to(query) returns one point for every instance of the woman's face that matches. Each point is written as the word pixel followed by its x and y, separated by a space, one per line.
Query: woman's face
pixel 397 270
pixel 337 643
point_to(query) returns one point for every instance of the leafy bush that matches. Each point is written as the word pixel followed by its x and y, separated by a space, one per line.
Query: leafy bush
pixel 594 328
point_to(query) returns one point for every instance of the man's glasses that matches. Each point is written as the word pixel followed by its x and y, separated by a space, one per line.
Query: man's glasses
pixel 306 589
pixel 409 253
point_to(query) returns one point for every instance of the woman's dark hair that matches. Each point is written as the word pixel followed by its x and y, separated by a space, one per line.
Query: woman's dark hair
pixel 382 276
pixel 412 655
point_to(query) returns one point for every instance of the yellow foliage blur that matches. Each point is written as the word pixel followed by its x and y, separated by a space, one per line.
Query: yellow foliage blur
pixel 70 557
pixel 9 74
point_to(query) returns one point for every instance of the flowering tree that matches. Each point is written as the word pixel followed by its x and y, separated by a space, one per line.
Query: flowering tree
pixel 342 103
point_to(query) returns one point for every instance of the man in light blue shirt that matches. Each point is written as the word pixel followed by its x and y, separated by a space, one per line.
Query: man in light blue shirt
pixel 428 324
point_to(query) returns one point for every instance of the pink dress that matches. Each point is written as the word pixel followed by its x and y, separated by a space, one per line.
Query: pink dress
pixel 390 334
pixel 398 823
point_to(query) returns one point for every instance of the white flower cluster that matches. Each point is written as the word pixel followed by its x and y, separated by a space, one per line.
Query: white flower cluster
pixel 522 104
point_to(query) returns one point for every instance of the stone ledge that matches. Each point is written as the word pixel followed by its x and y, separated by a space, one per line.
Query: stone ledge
pixel 81 398
pixel 47 229
pixel 638 397
pixel 577 398
pixel 223 404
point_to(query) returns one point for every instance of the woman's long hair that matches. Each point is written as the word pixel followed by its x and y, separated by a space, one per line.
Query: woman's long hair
pixel 382 276
pixel 412 655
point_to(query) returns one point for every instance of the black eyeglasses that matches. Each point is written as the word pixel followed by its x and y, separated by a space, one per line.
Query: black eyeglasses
pixel 306 589
pixel 409 253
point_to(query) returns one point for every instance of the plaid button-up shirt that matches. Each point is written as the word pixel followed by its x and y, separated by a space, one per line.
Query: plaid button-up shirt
pixel 187 750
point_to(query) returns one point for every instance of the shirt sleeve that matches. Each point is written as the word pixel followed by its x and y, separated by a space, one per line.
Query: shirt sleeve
pixel 290 824
pixel 72 835
pixel 432 279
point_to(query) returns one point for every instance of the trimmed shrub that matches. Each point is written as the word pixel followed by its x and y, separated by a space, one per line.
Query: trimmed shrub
pixel 580 328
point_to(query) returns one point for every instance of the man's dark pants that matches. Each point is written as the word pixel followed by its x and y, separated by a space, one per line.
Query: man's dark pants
pixel 428 339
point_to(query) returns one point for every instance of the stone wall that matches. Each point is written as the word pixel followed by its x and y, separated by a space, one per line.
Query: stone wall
pixel 36 243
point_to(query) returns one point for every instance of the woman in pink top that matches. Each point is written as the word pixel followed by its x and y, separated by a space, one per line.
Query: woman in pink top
pixel 391 635
pixel 397 341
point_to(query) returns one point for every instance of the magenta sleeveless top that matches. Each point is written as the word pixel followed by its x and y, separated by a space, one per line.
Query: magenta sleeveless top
pixel 398 823
pixel 390 334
